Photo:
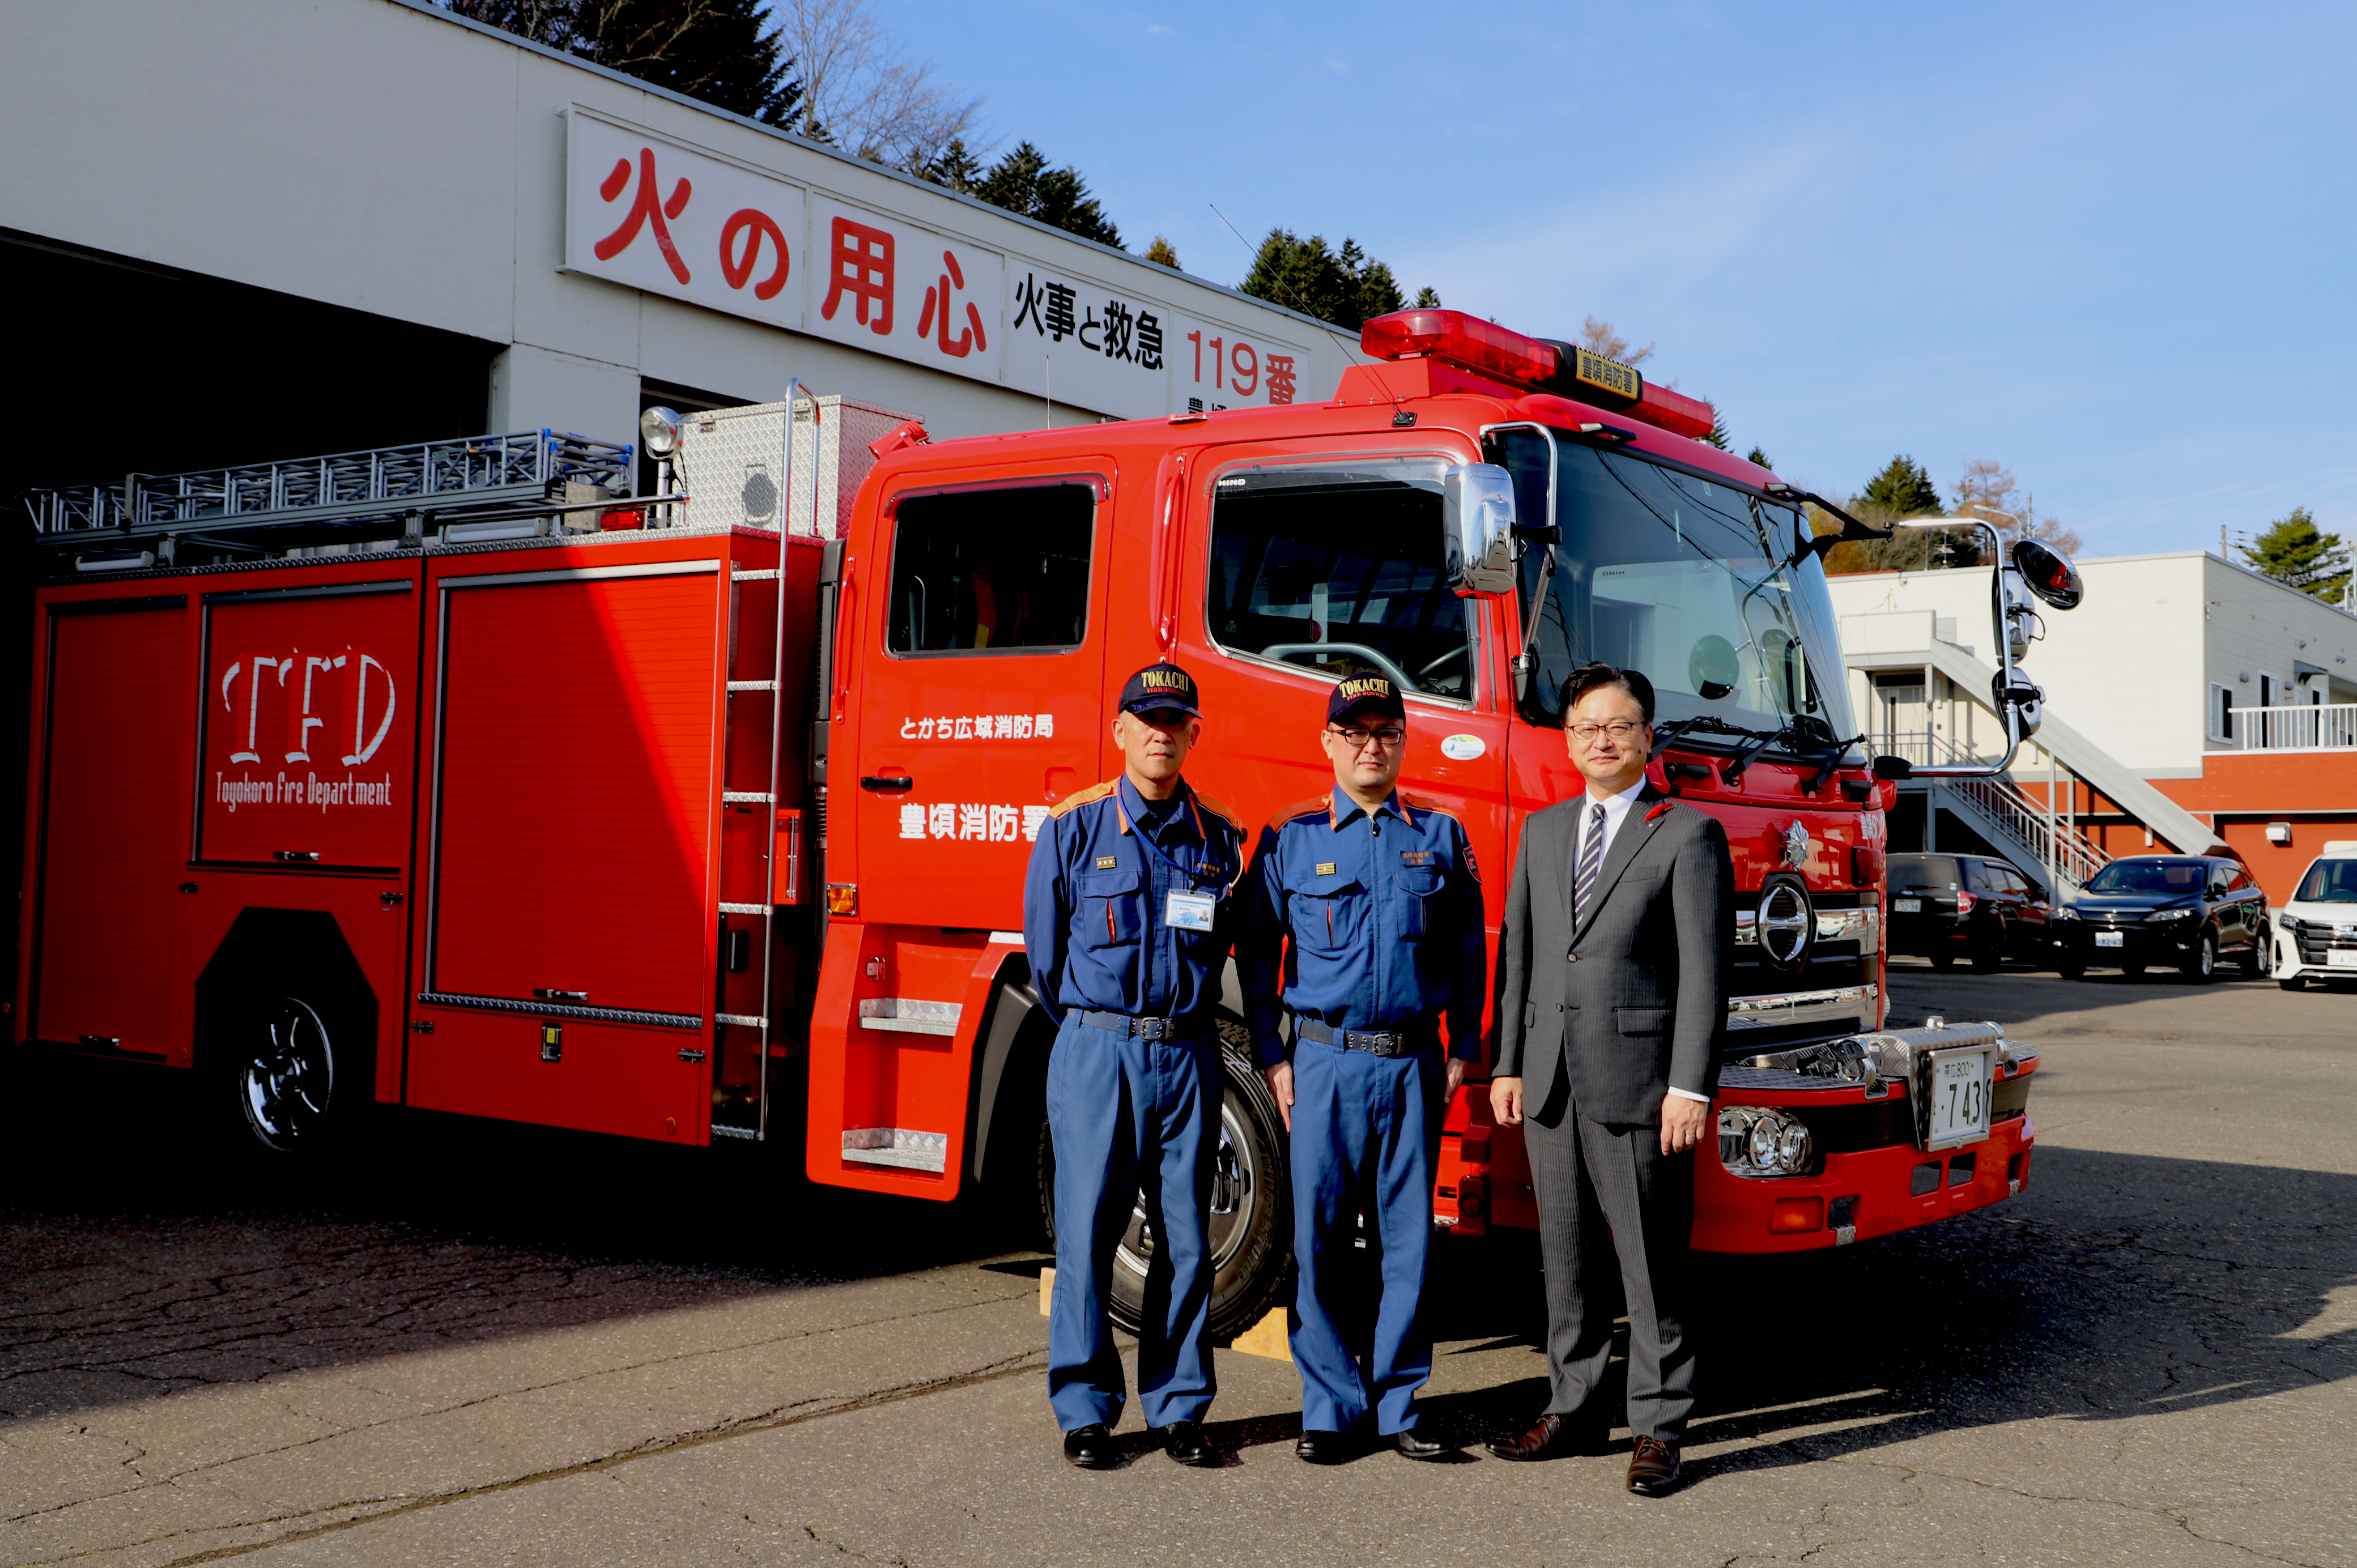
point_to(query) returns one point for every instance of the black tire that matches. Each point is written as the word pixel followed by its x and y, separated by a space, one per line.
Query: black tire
pixel 2254 958
pixel 2133 970
pixel 1988 952
pixel 1942 960
pixel 2293 982
pixel 2070 969
pixel 1252 1207
pixel 294 1076
pixel 2202 967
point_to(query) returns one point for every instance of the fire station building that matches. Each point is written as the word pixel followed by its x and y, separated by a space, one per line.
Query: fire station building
pixel 239 233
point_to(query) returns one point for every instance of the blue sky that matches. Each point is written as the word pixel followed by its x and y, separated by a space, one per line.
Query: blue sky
pixel 2108 246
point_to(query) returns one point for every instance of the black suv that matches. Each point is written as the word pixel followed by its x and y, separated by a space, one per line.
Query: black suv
pixel 1975 907
pixel 2178 909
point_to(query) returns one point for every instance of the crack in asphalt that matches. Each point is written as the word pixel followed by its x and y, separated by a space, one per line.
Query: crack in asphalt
pixel 789 1415
pixel 149 1482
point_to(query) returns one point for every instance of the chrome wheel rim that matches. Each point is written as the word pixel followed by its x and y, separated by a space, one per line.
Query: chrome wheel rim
pixel 1236 1191
pixel 289 1080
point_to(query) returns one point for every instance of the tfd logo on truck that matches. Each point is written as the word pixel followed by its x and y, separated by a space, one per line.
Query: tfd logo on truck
pixel 323 710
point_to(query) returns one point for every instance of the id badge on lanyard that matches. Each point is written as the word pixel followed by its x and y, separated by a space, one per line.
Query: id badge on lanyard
pixel 1190 912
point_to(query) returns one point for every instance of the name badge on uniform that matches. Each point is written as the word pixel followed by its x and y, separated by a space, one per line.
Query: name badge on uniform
pixel 1190 912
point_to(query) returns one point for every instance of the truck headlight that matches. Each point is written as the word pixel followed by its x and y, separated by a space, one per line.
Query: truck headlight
pixel 1760 1140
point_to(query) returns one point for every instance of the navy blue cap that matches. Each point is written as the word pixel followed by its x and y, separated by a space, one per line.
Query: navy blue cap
pixel 1373 694
pixel 1164 687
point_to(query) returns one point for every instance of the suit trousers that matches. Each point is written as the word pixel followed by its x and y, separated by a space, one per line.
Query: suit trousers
pixel 1366 1135
pixel 1587 1176
pixel 1131 1116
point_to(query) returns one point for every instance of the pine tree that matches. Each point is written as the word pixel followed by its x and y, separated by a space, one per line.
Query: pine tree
pixel 1427 298
pixel 718 51
pixel 1759 456
pixel 1021 182
pixel 1347 288
pixel 1162 254
pixel 1902 489
pixel 2298 553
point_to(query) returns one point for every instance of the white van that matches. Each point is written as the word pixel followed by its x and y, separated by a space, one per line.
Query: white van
pixel 2316 932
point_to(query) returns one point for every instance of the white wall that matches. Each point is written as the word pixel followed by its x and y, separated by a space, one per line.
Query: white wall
pixel 380 155
pixel 2131 667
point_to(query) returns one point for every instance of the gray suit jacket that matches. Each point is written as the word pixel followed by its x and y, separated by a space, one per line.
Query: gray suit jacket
pixel 1634 1002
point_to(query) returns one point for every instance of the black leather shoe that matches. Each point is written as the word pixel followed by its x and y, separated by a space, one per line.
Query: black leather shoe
pixel 1090 1446
pixel 1317 1447
pixel 1551 1437
pixel 1183 1441
pixel 1412 1446
pixel 1653 1468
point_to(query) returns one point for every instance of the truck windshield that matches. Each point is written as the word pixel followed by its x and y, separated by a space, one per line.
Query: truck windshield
pixel 1689 579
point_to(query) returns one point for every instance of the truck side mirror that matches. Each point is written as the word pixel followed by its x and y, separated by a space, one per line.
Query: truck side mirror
pixel 1890 768
pixel 1477 503
pixel 2049 575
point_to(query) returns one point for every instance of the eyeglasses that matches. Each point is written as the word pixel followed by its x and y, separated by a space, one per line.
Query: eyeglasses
pixel 1389 737
pixel 1619 729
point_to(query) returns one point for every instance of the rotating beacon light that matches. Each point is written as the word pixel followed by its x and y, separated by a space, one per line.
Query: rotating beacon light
pixel 1534 364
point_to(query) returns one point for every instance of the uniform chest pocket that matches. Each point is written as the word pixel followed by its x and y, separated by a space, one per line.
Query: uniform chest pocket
pixel 1419 885
pixel 1329 914
pixel 1112 908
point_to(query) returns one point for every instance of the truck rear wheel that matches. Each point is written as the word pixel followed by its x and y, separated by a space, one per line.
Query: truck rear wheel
pixel 291 1079
pixel 1252 1207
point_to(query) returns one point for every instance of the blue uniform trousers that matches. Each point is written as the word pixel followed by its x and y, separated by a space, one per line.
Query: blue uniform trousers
pixel 1366 1135
pixel 1131 1115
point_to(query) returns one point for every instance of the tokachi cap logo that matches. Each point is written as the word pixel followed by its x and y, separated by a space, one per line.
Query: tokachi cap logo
pixel 1160 686
pixel 1364 693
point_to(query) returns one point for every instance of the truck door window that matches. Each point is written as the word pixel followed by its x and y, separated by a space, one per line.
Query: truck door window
pixel 992 571
pixel 1335 568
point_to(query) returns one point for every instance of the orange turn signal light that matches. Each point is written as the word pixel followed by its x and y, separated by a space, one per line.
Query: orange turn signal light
pixel 843 898
pixel 1793 1216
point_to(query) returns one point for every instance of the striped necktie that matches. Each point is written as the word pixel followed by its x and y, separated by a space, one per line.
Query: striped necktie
pixel 1591 861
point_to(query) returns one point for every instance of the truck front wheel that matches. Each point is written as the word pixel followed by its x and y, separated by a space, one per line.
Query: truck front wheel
pixel 285 1072
pixel 1252 1207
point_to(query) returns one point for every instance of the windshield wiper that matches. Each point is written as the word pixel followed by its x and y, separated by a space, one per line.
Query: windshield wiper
pixel 1839 749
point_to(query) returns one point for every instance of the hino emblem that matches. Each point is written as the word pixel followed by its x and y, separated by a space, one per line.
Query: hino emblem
pixel 1796 846
pixel 1786 923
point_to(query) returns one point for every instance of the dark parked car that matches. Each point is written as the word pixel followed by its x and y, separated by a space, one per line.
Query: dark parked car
pixel 2178 909
pixel 1975 907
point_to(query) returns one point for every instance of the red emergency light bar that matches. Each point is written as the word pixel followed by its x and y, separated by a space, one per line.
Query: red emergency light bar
pixel 1539 364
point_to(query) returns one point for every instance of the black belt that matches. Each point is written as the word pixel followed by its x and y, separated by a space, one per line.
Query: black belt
pixel 1147 1028
pixel 1376 1042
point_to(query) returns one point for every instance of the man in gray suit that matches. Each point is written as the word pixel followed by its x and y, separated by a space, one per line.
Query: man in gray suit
pixel 1611 1001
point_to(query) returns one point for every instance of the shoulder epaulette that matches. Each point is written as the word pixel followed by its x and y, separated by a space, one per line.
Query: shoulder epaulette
pixel 1220 810
pixel 1323 805
pixel 1080 798
pixel 1415 802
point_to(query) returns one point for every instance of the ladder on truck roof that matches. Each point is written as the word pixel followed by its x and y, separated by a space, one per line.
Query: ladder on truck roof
pixel 396 494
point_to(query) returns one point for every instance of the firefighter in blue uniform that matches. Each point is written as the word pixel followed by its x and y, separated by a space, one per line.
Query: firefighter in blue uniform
pixel 1126 917
pixel 1374 897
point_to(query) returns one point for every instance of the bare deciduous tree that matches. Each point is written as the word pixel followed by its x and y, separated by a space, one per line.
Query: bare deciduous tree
pixel 863 91
pixel 1597 337
pixel 1989 492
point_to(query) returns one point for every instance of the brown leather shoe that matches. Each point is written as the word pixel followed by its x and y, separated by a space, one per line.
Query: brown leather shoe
pixel 1653 1468
pixel 1553 1437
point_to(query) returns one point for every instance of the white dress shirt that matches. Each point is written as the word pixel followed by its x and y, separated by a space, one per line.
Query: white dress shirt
pixel 1615 812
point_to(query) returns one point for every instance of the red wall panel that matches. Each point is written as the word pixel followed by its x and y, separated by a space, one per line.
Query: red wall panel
pixel 575 791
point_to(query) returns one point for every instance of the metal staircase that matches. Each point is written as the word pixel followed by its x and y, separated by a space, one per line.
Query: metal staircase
pixel 2019 823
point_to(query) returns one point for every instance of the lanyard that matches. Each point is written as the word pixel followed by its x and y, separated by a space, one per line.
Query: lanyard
pixel 1138 816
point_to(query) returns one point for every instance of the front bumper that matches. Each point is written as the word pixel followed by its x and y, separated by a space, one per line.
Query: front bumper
pixel 2173 942
pixel 2308 953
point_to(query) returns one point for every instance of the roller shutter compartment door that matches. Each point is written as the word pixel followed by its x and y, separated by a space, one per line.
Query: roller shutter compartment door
pixel 573 794
pixel 114 830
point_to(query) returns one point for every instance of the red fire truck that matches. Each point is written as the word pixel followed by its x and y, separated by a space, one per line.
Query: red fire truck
pixel 682 820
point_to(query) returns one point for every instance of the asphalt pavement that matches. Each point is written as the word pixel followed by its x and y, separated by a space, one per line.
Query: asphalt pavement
pixel 474 1343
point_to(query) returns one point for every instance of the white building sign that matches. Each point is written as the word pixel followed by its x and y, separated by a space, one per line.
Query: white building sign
pixel 658 215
